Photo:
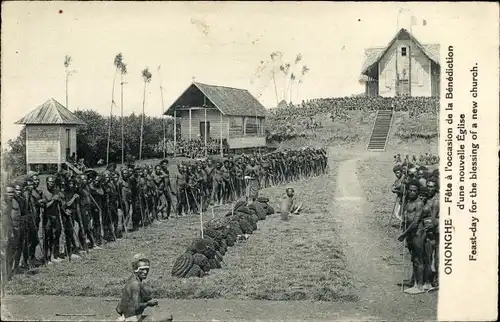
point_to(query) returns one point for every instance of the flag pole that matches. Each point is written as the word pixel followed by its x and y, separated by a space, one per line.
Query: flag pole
pixel 409 56
pixel 397 54
pixel 163 115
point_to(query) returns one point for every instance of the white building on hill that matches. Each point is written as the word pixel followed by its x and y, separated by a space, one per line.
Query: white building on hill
pixel 403 67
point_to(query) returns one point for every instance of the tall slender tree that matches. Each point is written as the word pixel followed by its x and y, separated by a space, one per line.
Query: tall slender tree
pixel 292 80
pixel 273 58
pixel 303 72
pixel 162 115
pixel 67 64
pixel 146 76
pixel 285 68
pixel 117 63
pixel 123 71
pixel 293 77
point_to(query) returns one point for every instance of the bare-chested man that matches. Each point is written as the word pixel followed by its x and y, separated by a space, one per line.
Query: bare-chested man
pixel 398 189
pixel 289 205
pixel 10 232
pixel 135 297
pixel 53 227
pixel 414 234
pixel 181 185
pixel 217 184
pixel 252 179
pixel 430 214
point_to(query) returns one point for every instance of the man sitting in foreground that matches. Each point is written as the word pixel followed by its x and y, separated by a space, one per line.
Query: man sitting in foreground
pixel 136 298
pixel 288 204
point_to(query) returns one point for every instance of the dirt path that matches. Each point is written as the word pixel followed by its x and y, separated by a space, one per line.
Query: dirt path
pixel 366 248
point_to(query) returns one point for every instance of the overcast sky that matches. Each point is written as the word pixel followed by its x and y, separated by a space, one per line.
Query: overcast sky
pixel 217 43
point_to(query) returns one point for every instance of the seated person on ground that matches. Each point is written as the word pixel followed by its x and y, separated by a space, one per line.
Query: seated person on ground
pixel 289 204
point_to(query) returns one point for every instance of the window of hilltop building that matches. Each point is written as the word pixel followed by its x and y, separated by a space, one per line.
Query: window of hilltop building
pixel 403 51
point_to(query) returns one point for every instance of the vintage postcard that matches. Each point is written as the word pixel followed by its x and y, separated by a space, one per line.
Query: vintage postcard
pixel 243 161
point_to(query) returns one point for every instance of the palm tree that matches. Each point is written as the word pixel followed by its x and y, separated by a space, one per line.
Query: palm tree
pixel 285 68
pixel 67 64
pixel 298 58
pixel 292 79
pixel 117 63
pixel 273 56
pixel 304 71
pixel 162 115
pixel 146 76
pixel 123 71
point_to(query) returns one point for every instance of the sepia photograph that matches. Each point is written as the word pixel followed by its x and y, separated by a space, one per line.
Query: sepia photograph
pixel 242 161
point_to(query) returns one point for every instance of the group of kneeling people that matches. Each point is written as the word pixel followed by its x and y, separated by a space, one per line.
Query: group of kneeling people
pixel 204 253
pixel 417 191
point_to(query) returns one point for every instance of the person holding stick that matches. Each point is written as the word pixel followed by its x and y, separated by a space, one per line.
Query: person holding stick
pixel 124 187
pixel 167 185
pixel 251 175
pixel 32 229
pixel 397 188
pixel 181 184
pixel 52 199
pixel 85 206
pixel 69 215
pixel 137 212
pixel 414 235
pixel 97 197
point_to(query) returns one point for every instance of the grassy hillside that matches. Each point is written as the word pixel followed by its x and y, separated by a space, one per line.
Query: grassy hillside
pixel 356 129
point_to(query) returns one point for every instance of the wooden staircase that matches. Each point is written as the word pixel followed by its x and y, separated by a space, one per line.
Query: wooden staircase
pixel 73 168
pixel 380 132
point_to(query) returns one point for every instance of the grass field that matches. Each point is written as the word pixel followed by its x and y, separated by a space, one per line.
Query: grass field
pixel 297 260
pixel 377 188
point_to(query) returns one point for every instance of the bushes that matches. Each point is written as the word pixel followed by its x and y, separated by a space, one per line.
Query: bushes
pixel 92 140
pixel 423 126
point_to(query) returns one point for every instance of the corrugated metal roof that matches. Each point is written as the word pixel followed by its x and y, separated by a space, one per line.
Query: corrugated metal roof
pixel 230 101
pixel 51 112
pixel 373 55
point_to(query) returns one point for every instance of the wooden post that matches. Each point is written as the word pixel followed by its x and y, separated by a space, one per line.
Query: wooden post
pixel 190 124
pixel 121 106
pixel 26 146
pixel 59 150
pixel 205 135
pixel 201 216
pixel 409 64
pixel 221 146
pixel 175 132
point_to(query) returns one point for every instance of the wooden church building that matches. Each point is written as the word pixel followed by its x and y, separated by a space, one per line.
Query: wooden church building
pixel 221 113
pixel 403 67
pixel 50 134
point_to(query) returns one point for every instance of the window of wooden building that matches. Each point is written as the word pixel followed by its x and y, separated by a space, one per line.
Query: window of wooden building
pixel 235 126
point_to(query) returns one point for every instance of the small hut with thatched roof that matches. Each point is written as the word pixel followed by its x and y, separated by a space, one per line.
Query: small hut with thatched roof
pixel 50 134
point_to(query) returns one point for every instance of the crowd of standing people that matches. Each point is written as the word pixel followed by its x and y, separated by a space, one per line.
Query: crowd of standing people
pixel 90 208
pixel 195 148
pixel 417 206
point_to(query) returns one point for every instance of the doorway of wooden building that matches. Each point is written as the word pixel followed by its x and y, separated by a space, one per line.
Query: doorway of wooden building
pixel 403 88
pixel 68 143
pixel 202 130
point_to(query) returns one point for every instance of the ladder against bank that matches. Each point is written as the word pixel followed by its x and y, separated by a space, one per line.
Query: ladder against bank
pixel 380 131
